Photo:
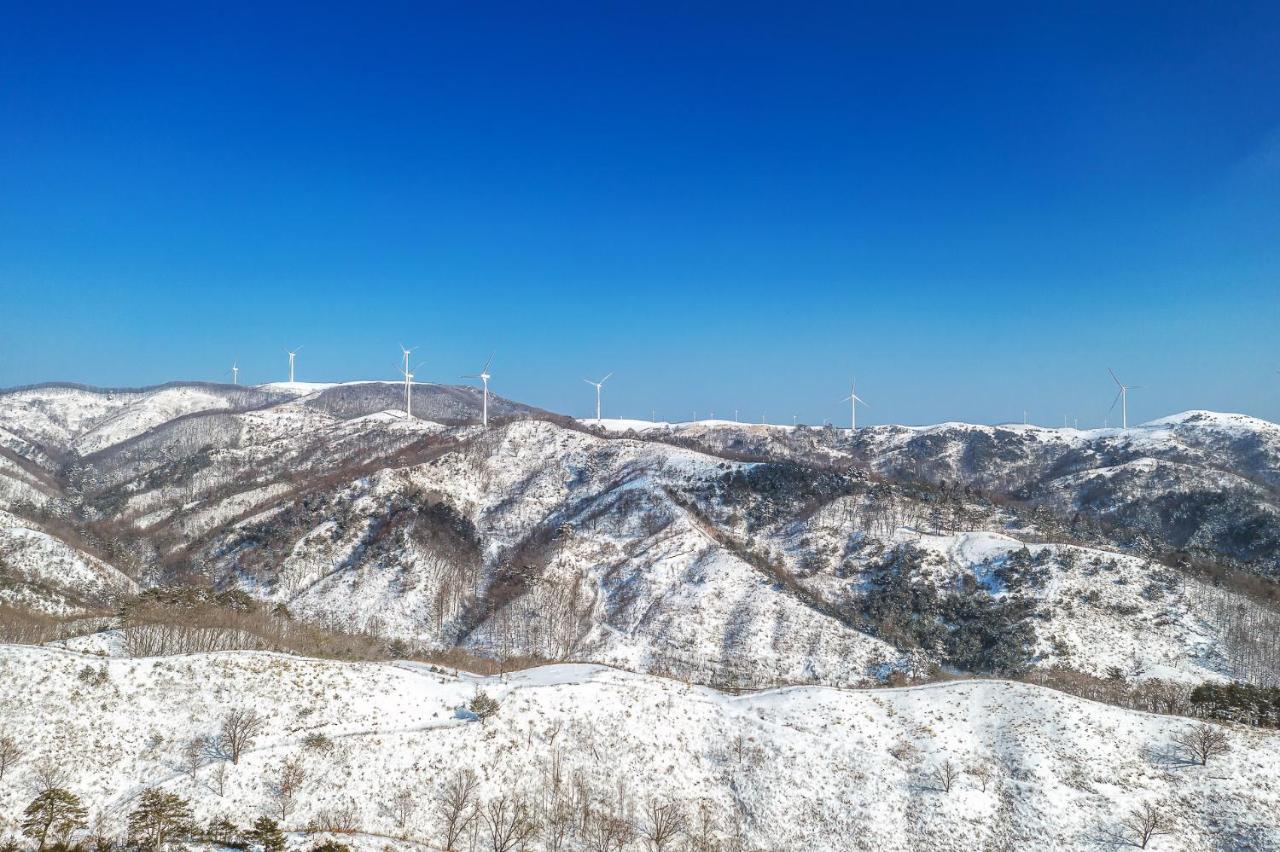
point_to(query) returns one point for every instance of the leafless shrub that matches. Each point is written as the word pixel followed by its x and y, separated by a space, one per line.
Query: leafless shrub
pixel 340 819
pixel 983 771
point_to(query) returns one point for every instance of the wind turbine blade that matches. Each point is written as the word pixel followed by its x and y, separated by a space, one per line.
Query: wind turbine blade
pixel 1113 376
pixel 1114 401
pixel 605 379
pixel 487 363
pixel 588 381
pixel 1134 387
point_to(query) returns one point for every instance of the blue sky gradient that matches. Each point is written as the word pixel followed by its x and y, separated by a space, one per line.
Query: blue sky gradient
pixel 975 210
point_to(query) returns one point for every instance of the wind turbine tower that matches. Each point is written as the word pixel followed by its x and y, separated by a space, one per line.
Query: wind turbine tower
pixel 484 376
pixel 292 354
pixel 853 399
pixel 408 381
pixel 235 373
pixel 1122 397
pixel 598 385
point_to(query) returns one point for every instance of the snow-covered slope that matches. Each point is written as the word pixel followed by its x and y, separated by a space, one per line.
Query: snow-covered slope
pixel 798 768
pixel 722 552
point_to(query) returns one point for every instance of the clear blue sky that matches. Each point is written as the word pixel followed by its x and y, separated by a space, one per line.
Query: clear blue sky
pixel 973 209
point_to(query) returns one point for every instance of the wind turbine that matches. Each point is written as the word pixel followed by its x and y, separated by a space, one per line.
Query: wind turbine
pixel 235 372
pixel 597 386
pixel 483 376
pixel 408 382
pixel 292 354
pixel 1122 397
pixel 853 399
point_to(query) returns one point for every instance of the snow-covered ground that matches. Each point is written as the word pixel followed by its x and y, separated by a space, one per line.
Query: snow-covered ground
pixel 797 768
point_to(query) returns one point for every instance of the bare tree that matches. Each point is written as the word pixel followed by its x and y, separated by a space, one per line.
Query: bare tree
pixel 288 783
pixel 1143 823
pixel 607 832
pixel 509 823
pixel 663 823
pixel 945 774
pixel 49 775
pixel 10 753
pixel 218 779
pixel 983 771
pixel 192 757
pixel 403 806
pixel 457 803
pixel 240 727
pixel 1202 742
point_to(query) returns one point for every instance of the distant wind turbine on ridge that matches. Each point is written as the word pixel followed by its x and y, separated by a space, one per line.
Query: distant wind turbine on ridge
pixel 235 372
pixel 853 399
pixel 292 354
pixel 1122 397
pixel 408 380
pixel 597 386
pixel 484 376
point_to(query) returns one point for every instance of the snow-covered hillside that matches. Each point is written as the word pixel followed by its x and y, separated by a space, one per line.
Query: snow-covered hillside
pixel 798 768
pixel 726 553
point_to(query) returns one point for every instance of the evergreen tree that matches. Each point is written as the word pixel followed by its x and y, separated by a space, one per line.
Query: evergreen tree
pixel 266 832
pixel 55 812
pixel 158 818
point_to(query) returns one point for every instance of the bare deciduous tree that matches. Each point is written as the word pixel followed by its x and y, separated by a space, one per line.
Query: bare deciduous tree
pixel 945 774
pixel 49 775
pixel 240 727
pixel 288 783
pixel 10 753
pixel 403 806
pixel 1143 823
pixel 663 823
pixel 607 832
pixel 508 822
pixel 1202 742
pixel 192 757
pixel 983 771
pixel 456 801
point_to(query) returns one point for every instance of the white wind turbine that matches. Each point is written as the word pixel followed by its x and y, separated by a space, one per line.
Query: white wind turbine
pixel 292 354
pixel 235 372
pixel 853 399
pixel 408 381
pixel 597 386
pixel 484 376
pixel 1122 397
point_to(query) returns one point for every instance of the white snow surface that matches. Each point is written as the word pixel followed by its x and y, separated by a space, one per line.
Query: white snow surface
pixel 796 768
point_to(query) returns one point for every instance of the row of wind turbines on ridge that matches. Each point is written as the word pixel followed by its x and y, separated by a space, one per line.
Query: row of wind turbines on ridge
pixel 1122 395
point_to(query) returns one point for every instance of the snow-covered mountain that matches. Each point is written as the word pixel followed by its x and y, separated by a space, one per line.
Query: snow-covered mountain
pixel 373 748
pixel 720 552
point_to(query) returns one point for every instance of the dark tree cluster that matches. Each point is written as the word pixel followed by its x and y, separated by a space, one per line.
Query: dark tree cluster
pixel 967 627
